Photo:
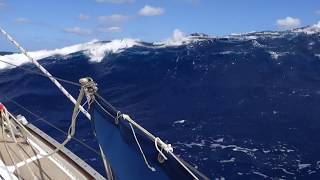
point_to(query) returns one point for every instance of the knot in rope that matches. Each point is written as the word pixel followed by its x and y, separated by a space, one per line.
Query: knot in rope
pixel 166 147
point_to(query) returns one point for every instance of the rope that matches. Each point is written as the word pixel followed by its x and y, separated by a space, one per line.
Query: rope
pixel 104 109
pixel 53 126
pixel 72 127
pixel 160 151
pixel 106 102
pixel 40 74
pixel 144 157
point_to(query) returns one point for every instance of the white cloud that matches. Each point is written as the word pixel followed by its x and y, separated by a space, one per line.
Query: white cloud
pixel 288 23
pixel 84 17
pixel 22 21
pixel 113 19
pixel 114 1
pixel 151 11
pixel 78 31
pixel 113 29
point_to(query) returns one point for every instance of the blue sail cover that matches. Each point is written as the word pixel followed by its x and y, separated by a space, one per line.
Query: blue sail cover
pixel 122 151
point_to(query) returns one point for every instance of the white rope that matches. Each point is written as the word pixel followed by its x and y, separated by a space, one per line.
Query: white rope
pixel 144 157
pixel 61 88
pixel 166 147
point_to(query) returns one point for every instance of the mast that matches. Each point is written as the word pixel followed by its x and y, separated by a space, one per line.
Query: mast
pixel 60 87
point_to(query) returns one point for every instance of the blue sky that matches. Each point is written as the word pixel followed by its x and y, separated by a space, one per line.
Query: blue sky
pixel 48 24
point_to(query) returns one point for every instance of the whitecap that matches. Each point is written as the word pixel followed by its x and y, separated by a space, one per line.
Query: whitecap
pixel 179 121
pixel 94 49
pixel 314 29
pixel 179 38
pixel 228 160
pixel 302 166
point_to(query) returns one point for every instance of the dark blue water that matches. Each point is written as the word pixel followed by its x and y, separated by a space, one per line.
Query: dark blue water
pixel 241 107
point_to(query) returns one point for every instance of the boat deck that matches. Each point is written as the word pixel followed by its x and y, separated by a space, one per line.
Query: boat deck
pixel 21 157
pixel 15 156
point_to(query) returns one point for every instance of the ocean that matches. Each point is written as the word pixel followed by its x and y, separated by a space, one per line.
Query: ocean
pixel 242 106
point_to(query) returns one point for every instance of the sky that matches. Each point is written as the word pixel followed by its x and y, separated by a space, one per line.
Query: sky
pixel 50 24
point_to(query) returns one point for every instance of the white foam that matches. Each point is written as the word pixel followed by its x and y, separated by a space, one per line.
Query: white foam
pixel 219 140
pixel 226 52
pixel 94 50
pixel 255 43
pixel 228 160
pixel 302 166
pixel 179 38
pixel 241 34
pixel 179 122
pixel 236 148
pixel 309 30
pixel 276 55
pixel 201 144
pixel 284 170
pixel 97 52
pixel 260 174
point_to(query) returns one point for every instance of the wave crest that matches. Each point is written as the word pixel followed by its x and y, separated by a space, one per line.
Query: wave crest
pixel 94 49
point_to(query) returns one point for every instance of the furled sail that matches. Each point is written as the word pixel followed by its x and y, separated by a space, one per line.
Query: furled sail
pixel 120 141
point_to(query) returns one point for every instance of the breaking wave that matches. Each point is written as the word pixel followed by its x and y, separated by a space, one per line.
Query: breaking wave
pixel 244 105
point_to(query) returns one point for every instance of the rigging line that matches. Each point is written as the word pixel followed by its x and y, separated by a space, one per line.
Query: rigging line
pixel 40 74
pixel 53 126
pixel 106 102
pixel 104 109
